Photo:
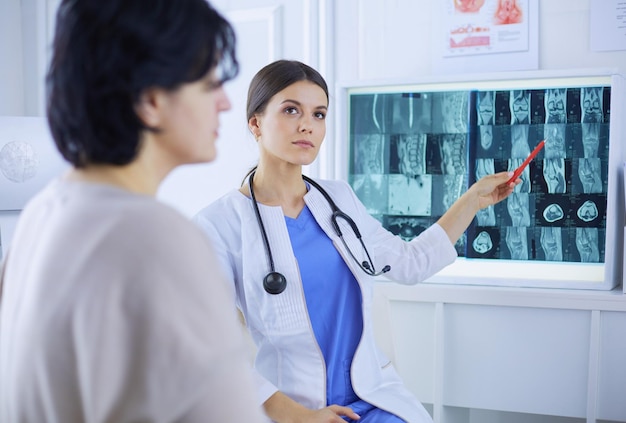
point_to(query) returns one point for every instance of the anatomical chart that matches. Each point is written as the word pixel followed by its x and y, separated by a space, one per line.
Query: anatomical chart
pixel 413 154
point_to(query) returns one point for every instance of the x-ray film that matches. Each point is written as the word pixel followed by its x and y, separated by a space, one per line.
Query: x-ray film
pixel 412 154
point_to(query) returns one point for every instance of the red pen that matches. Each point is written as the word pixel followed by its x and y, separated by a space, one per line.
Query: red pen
pixel 520 169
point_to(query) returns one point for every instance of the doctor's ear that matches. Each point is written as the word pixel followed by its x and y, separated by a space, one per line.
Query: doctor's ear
pixel 253 126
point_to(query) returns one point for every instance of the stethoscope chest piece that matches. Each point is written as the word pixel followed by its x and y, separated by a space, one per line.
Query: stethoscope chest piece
pixel 274 283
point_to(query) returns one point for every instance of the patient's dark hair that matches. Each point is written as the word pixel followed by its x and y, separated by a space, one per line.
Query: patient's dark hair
pixel 106 53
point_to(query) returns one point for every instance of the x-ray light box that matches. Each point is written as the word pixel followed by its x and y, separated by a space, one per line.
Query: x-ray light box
pixel 414 147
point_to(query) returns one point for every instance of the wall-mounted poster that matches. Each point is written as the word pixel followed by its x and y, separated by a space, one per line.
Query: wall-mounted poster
pixel 28 159
pixel 415 148
pixel 485 26
pixel 485 36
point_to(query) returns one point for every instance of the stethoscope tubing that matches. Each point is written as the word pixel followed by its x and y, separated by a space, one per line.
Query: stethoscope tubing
pixel 274 282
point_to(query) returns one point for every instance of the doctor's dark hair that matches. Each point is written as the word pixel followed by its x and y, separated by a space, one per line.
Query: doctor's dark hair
pixel 274 78
pixel 107 53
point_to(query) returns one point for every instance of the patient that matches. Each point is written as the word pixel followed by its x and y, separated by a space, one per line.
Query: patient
pixel 113 310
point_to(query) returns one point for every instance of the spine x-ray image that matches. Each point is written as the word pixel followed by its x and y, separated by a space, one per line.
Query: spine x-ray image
pixel 409 156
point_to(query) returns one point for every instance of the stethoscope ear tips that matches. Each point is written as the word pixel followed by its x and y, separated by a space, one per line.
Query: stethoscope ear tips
pixel 274 283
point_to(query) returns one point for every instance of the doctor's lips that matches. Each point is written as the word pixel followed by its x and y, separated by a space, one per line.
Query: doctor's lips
pixel 304 143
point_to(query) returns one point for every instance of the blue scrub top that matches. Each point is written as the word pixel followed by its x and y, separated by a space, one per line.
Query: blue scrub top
pixel 333 300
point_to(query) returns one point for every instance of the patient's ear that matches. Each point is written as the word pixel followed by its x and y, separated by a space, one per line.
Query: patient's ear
pixel 149 107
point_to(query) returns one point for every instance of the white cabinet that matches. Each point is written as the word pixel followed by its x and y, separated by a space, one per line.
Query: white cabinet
pixel 486 354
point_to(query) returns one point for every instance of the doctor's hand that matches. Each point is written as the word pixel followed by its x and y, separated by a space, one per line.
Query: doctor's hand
pixel 282 409
pixel 330 414
pixel 492 189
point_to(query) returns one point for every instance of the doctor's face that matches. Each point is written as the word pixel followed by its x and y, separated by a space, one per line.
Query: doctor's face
pixel 293 125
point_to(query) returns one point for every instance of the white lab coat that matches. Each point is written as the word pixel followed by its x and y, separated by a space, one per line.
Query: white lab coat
pixel 288 357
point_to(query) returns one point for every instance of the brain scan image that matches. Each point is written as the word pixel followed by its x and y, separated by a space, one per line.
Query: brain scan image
pixel 19 161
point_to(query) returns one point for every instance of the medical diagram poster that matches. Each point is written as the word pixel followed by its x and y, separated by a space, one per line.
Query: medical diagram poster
pixel 474 27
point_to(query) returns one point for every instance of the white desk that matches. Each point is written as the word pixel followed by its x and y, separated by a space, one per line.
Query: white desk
pixel 464 350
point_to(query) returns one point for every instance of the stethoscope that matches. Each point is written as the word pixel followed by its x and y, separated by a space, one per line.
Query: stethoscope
pixel 275 282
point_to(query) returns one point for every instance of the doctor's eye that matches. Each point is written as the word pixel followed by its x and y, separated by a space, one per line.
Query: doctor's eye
pixel 291 110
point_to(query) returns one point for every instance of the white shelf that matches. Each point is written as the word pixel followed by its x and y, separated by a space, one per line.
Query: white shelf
pixel 613 300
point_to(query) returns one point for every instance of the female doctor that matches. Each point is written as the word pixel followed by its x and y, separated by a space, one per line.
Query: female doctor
pixel 303 279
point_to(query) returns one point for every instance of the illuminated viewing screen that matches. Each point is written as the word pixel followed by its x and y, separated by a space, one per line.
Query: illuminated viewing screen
pixel 413 153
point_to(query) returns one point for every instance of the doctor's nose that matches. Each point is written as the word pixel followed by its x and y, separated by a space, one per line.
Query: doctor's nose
pixel 305 125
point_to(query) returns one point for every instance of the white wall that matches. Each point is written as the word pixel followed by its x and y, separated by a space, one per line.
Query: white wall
pixel 348 40
pixel 11 81
pixel 394 39
pixel 25 33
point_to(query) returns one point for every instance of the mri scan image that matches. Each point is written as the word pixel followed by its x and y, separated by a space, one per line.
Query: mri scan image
pixel 413 153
